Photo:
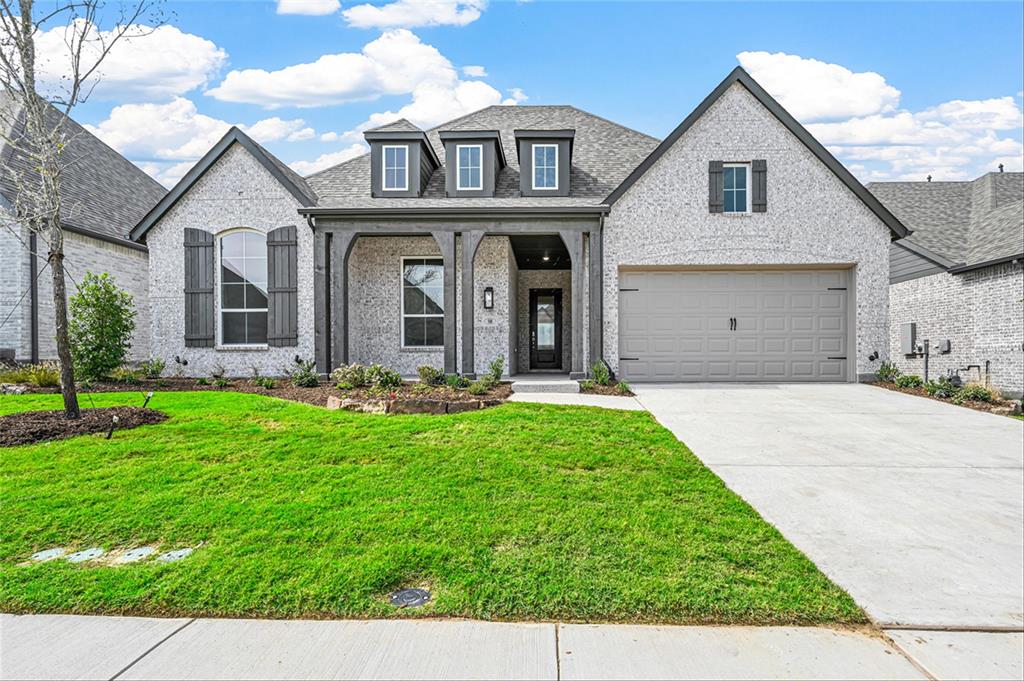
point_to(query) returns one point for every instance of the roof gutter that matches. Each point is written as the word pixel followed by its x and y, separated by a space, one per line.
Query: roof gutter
pixel 483 213
pixel 1018 258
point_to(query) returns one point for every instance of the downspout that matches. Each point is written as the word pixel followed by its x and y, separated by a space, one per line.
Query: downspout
pixel 33 272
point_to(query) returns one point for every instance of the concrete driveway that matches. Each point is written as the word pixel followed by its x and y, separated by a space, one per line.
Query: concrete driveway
pixel 915 507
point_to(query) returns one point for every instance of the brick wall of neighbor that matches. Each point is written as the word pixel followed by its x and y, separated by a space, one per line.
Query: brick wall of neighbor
pixel 981 313
pixel 529 279
pixel 236 192
pixel 375 297
pixel 13 282
pixel 812 217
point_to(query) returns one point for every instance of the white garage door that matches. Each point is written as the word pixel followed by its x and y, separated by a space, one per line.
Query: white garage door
pixel 733 325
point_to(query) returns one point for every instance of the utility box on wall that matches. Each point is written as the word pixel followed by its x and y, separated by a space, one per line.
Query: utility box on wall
pixel 908 338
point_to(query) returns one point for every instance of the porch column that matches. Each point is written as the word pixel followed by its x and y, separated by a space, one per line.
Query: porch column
pixel 596 289
pixel 470 244
pixel 574 244
pixel 446 242
pixel 341 247
pixel 320 297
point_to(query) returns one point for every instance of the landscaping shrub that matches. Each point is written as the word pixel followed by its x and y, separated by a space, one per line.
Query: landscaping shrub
pixel 587 385
pixel 909 381
pixel 943 388
pixel 127 375
pixel 494 371
pixel 153 367
pixel 602 375
pixel 221 382
pixel 102 318
pixel 202 381
pixel 973 393
pixel 382 377
pixel 456 382
pixel 265 382
pixel 888 372
pixel 305 375
pixel 46 375
pixel 348 376
pixel 478 387
pixel 622 387
pixel 430 375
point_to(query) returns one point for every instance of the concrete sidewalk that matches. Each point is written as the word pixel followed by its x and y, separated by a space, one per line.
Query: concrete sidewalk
pixel 77 647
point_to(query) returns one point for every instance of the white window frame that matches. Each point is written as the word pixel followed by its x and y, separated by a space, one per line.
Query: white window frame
pixel 384 168
pixel 458 166
pixel 401 302
pixel 747 209
pixel 533 166
pixel 219 284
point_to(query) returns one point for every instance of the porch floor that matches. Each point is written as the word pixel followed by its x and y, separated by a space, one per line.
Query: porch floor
pixel 544 383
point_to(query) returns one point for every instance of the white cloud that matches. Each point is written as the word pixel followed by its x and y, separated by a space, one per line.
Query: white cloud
pixel 814 90
pixel 328 160
pixel 415 13
pixel 433 103
pixel 315 8
pixel 146 64
pixel 857 116
pixel 393 64
pixel 474 71
pixel 330 137
pixel 516 96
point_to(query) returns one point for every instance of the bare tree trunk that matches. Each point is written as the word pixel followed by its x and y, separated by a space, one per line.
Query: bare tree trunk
pixel 60 311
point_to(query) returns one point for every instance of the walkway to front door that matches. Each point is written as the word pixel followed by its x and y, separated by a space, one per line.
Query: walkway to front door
pixel 545 328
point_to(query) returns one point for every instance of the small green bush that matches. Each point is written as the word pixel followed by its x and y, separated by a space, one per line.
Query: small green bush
pixel 430 375
pixel 46 375
pixel 909 381
pixel 622 387
pixel 349 376
pixel 202 381
pixel 456 382
pixel 126 375
pixel 943 388
pixel 265 382
pixel 973 393
pixel 221 382
pixel 587 385
pixel 383 377
pixel 478 387
pixel 495 370
pixel 102 319
pixel 602 376
pixel 305 375
pixel 888 372
pixel 153 367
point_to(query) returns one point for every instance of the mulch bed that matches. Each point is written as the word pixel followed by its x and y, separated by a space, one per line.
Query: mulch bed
pixel 612 389
pixel 286 391
pixel 28 427
pixel 999 406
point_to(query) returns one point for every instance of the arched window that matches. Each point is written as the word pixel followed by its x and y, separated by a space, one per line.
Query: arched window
pixel 243 288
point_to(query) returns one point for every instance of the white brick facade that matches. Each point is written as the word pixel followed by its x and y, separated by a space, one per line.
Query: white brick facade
pixel 981 313
pixel 812 218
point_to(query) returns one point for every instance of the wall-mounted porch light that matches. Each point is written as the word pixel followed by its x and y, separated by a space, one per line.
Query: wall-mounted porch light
pixel 488 298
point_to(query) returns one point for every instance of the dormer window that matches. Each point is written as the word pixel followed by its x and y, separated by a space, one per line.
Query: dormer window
pixel 469 158
pixel 545 166
pixel 396 168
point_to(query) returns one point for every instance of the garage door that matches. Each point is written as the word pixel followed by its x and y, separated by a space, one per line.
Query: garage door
pixel 733 325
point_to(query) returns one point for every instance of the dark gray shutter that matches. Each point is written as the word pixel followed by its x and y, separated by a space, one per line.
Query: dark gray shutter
pixel 199 328
pixel 282 287
pixel 716 187
pixel 759 186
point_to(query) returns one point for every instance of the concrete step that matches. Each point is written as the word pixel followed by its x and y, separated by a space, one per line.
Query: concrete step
pixel 545 385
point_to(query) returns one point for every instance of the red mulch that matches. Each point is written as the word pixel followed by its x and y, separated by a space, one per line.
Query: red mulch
pixel 28 427
pixel 286 391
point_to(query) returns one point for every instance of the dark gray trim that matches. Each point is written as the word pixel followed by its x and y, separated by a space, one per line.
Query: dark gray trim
pixel 988 263
pixel 759 186
pixel 282 287
pixel 524 150
pixel 574 244
pixel 33 292
pixel 740 76
pixel 321 304
pixel 464 212
pixel 474 135
pixel 716 187
pixel 491 162
pixel 596 290
pixel 446 242
pixel 470 244
pixel 928 254
pixel 233 136
pixel 341 248
pixel 200 282
pixel 404 136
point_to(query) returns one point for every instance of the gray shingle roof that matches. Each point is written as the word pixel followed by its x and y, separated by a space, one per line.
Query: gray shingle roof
pixel 102 192
pixel 964 222
pixel 604 153
pixel 401 125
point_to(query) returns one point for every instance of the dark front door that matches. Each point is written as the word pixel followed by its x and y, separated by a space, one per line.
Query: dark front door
pixel 545 328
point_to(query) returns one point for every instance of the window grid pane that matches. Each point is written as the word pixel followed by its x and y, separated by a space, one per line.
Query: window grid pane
pixel 422 302
pixel 545 174
pixel 735 189
pixel 394 167
pixel 243 289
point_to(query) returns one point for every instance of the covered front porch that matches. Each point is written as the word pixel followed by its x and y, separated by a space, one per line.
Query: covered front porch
pixel 534 291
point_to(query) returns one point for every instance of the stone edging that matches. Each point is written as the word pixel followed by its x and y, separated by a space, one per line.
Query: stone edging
pixel 408 406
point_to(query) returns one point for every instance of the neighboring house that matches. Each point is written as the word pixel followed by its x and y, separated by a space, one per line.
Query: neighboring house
pixel 737 249
pixel 103 196
pixel 958 278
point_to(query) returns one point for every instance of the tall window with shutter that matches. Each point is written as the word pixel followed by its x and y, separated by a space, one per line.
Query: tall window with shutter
pixel 243 288
pixel 199 326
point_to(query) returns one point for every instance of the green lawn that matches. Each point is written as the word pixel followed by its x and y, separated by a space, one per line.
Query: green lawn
pixel 516 512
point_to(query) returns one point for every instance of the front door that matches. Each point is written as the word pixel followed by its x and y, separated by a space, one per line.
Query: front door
pixel 545 328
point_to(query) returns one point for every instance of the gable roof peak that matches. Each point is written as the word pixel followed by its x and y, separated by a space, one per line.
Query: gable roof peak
pixel 401 125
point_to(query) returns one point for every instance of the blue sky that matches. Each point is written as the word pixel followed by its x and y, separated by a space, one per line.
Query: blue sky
pixel 897 90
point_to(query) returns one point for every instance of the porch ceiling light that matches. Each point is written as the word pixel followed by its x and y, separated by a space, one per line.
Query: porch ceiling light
pixel 488 298
pixel 545 258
